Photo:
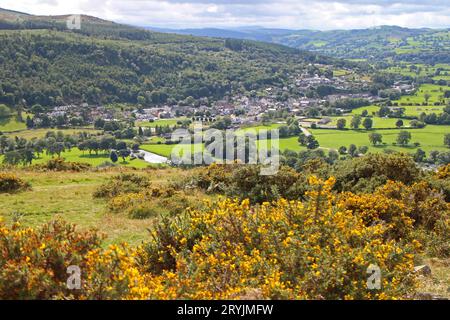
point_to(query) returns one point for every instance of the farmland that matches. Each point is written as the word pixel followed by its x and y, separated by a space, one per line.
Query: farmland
pixel 430 138
pixel 75 155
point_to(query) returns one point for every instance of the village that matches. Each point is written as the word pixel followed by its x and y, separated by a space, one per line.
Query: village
pixel 242 109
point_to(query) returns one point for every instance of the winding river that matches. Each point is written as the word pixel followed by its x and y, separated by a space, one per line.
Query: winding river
pixel 152 157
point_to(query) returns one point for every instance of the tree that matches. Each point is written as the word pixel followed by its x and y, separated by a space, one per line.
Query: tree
pixel 399 123
pixel 419 156
pixel 113 156
pixel 427 97
pixel 99 123
pixel 28 156
pixel 384 112
pixel 4 111
pixel 283 131
pixel 367 123
pixel 447 140
pixel 342 150
pixel 363 149
pixel 124 153
pixel 29 122
pixel 353 150
pixel 341 123
pixel 403 137
pixel 375 138
pixel 302 139
pixel 12 157
pixel 311 143
pixel 121 145
pixel 447 94
pixel 356 122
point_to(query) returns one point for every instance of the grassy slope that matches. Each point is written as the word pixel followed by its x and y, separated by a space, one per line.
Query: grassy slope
pixel 68 195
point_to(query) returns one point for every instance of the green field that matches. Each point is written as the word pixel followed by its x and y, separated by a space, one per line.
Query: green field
pixel 165 150
pixel 40 133
pixel 161 122
pixel 370 109
pixel 377 122
pixel 435 92
pixel 75 155
pixel 430 138
pixel 11 124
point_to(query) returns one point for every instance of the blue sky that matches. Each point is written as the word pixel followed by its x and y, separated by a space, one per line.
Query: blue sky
pixel 293 14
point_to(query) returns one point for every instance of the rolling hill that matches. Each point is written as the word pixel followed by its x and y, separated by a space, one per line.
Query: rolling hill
pixel 380 43
pixel 45 63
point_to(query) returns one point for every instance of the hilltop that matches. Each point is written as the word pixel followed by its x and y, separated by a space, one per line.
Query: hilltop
pixel 105 62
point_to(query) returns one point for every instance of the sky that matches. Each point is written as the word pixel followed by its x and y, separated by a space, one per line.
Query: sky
pixel 290 14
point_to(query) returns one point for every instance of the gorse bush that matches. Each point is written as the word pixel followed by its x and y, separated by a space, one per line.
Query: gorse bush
pixel 60 164
pixel 152 202
pixel 364 175
pixel 33 263
pixel 11 183
pixel 245 181
pixel 287 249
pixel 315 249
pixel 122 184
pixel 440 180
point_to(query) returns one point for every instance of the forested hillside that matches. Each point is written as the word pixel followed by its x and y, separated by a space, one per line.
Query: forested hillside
pixel 44 63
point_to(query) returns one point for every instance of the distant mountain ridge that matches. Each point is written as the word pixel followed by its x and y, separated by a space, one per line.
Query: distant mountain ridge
pixel 377 42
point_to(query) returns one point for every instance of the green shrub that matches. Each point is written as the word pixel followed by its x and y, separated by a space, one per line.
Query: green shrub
pixel 60 164
pixel 122 183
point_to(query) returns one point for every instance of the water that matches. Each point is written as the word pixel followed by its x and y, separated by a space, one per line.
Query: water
pixel 152 157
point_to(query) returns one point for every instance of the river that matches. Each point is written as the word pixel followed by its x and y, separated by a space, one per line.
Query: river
pixel 152 157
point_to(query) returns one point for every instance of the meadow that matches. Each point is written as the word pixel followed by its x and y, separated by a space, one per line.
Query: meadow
pixel 435 92
pixel 11 124
pixel 75 155
pixel 430 138
pixel 69 196
pixel 40 133
pixel 160 122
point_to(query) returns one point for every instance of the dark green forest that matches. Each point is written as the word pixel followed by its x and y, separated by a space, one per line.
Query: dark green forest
pixel 41 62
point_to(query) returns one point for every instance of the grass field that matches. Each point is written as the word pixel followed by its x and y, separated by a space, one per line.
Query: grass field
pixel 11 124
pixel 377 122
pixel 165 150
pixel 435 92
pixel 370 109
pixel 430 138
pixel 75 155
pixel 40 133
pixel 69 196
pixel 161 122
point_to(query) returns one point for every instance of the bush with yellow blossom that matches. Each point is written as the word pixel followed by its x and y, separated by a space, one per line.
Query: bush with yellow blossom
pixel 10 182
pixel 319 248
pixel 285 249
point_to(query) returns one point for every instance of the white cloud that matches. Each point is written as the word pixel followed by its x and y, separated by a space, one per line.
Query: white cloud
pixel 298 14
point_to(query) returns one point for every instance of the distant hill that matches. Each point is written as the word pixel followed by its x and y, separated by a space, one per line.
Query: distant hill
pixel 380 43
pixel 44 63
pixel 249 33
